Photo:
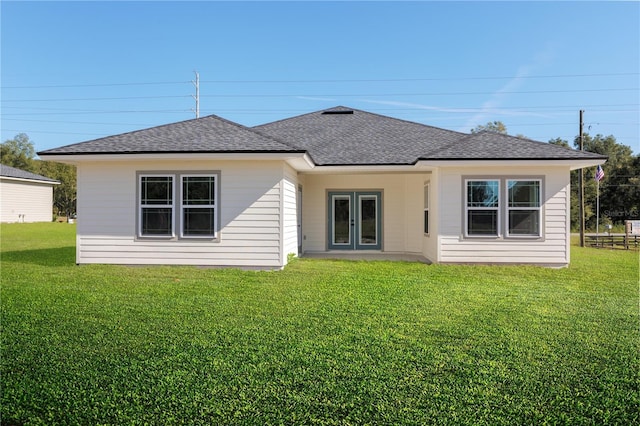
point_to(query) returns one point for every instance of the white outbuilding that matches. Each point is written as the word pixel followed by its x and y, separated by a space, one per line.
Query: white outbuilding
pixel 25 196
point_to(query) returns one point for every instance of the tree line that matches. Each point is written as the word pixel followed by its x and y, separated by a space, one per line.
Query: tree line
pixel 619 190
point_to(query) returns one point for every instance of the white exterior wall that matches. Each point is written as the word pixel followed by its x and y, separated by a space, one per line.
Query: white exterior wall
pixel 552 249
pixel 249 207
pixel 289 212
pixel 430 242
pixel 24 201
pixel 402 210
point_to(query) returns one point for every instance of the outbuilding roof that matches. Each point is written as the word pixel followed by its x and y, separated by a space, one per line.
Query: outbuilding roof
pixel 15 173
pixel 335 136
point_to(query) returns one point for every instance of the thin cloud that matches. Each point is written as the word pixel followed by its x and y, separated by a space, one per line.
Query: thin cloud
pixel 491 106
pixel 484 109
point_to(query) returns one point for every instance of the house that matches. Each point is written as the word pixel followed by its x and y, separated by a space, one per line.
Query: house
pixel 25 196
pixel 333 182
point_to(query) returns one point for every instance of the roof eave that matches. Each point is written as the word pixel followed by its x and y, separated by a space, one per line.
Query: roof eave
pixel 572 163
pixel 46 182
pixel 78 157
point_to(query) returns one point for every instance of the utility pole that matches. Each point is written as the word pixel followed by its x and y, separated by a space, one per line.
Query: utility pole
pixel 197 96
pixel 581 193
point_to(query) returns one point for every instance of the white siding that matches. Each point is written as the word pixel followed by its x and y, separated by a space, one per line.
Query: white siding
pixel 430 242
pixel 401 208
pixel 249 205
pixel 551 249
pixel 289 213
pixel 22 201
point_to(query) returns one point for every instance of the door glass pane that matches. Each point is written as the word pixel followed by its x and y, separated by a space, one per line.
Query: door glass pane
pixel 368 222
pixel 341 220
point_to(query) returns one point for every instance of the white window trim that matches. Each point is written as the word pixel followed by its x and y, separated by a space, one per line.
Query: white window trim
pixel 503 207
pixel 496 209
pixel 141 207
pixel 508 209
pixel 177 206
pixel 202 206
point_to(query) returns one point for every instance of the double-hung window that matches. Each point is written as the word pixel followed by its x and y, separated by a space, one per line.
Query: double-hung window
pixel 156 206
pixel 482 208
pixel 198 206
pixel 491 211
pixel 182 205
pixel 523 208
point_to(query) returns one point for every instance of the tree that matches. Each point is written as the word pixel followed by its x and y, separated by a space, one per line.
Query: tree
pixel 560 142
pixel 619 190
pixel 492 126
pixel 65 194
pixel 19 152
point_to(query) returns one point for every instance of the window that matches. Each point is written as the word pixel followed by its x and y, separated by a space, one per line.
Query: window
pixel 491 211
pixel 523 208
pixel 198 206
pixel 482 207
pixel 156 206
pixel 193 214
pixel 426 208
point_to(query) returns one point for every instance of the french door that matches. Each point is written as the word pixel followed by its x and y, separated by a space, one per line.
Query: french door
pixel 355 220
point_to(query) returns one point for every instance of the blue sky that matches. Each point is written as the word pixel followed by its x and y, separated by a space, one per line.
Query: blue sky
pixel 75 71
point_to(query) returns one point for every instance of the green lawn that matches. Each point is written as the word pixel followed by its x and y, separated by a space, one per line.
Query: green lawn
pixel 322 342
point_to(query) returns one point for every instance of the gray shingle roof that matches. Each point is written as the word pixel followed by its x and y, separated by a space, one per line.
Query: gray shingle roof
pixel 206 134
pixel 12 172
pixel 335 136
pixel 489 146
pixel 346 136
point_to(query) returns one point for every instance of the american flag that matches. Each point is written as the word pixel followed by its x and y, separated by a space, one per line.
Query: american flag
pixel 599 174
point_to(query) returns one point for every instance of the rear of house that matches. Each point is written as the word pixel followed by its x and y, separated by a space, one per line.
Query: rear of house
pixel 334 182
pixel 25 196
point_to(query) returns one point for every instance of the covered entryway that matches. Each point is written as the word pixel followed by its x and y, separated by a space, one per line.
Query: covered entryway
pixel 355 220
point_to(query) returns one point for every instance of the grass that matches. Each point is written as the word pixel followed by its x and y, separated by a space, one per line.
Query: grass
pixel 322 342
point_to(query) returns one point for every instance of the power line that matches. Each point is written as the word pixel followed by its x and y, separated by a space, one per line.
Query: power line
pixel 336 95
pixel 151 111
pixel 53 132
pixel 290 110
pixel 298 81
pixel 27 120
pixel 59 86
pixel 96 99
pixel 342 95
